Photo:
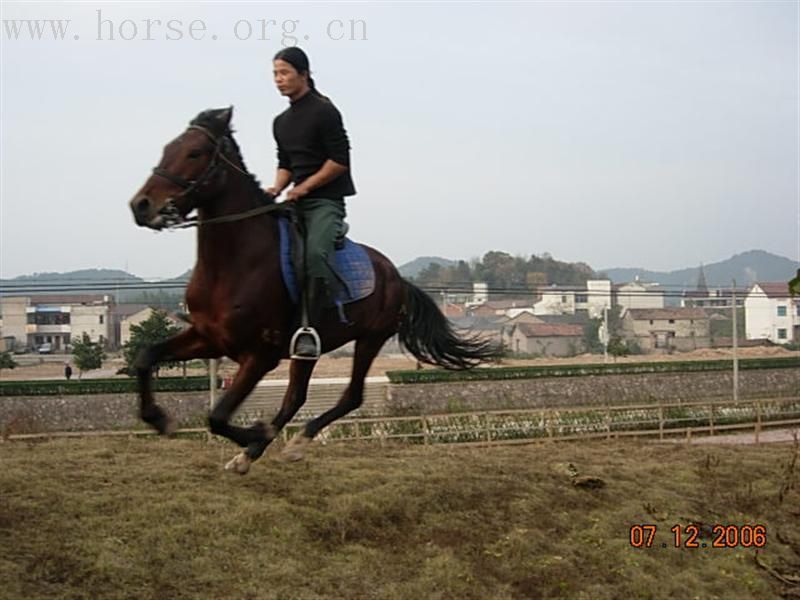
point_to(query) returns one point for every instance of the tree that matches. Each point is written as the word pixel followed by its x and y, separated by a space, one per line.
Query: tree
pixel 591 336
pixel 156 328
pixel 7 361
pixel 88 354
pixel 617 347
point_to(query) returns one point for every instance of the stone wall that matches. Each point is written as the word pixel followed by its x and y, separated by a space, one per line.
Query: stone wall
pixel 102 412
pixel 428 398
pixel 95 412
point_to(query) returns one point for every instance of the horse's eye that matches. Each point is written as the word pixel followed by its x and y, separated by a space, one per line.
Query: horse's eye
pixel 195 154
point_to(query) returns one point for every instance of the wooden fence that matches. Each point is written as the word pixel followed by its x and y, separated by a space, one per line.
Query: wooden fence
pixel 661 420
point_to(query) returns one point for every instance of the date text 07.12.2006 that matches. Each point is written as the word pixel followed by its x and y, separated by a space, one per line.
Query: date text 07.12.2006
pixel 701 536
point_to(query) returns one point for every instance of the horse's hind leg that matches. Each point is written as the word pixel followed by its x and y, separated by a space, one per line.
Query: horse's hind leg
pixel 366 351
pixel 295 396
pixel 186 345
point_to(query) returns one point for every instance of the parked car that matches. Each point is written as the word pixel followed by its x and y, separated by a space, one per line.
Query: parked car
pixel 46 348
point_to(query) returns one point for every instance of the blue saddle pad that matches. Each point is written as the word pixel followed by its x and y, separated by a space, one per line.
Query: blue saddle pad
pixel 352 264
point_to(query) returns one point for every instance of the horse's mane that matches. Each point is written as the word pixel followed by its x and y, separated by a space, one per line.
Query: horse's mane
pixel 209 119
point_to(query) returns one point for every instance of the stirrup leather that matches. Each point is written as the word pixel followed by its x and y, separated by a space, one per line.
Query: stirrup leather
pixel 305 331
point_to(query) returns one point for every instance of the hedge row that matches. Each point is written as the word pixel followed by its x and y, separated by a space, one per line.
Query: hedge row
pixel 100 386
pixel 505 373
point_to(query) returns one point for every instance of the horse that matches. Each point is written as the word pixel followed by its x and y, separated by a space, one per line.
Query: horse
pixel 240 308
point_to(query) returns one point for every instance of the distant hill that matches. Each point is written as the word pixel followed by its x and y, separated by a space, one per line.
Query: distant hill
pixel 413 268
pixel 87 276
pixel 121 284
pixel 746 268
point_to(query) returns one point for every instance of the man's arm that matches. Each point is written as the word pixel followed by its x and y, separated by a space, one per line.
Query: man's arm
pixel 329 171
pixel 283 178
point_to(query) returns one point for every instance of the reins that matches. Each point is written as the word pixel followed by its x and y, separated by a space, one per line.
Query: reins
pixel 253 212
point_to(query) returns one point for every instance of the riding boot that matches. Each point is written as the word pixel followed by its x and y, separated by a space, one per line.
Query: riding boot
pixel 306 343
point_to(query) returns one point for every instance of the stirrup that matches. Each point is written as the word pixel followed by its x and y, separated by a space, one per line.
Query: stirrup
pixel 305 331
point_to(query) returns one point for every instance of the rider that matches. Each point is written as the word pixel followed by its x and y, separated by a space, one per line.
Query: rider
pixel 314 155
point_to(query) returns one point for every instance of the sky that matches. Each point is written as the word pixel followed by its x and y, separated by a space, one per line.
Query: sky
pixel 658 135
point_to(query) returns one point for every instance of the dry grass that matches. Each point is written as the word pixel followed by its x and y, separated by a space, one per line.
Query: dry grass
pixel 145 518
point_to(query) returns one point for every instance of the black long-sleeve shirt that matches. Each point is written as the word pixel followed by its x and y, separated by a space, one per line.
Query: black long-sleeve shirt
pixel 308 133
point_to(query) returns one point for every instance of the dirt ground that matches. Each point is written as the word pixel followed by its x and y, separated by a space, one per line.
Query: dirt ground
pixel 339 366
pixel 154 518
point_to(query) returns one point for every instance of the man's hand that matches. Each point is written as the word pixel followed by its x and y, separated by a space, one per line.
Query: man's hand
pixel 296 193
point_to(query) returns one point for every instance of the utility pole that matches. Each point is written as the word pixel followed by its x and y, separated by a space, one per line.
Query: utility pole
pixel 604 334
pixel 735 347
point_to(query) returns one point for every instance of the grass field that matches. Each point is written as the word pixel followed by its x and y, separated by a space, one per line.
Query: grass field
pixel 152 518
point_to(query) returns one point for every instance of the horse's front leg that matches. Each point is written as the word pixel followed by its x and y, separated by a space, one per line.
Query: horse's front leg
pixel 252 369
pixel 188 344
pixel 295 396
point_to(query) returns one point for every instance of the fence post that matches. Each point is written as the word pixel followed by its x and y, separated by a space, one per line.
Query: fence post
pixel 486 428
pixel 608 420
pixel 660 421
pixel 711 418
pixel 425 438
pixel 758 420
pixel 212 387
pixel 548 424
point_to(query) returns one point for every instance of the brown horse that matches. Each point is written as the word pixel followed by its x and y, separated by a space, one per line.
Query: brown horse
pixel 240 307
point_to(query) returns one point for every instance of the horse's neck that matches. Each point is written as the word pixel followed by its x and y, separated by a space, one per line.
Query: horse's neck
pixel 224 247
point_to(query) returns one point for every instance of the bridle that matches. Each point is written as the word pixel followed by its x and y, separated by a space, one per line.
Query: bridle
pixel 170 214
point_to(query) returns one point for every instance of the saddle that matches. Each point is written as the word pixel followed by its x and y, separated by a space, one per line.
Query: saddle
pixel 352 266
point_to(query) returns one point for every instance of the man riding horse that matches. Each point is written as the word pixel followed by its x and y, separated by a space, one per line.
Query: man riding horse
pixel 314 155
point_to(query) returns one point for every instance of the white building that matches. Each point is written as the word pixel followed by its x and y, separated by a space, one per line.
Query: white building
pixel 769 313
pixel 598 297
pixel 559 300
pixel 55 320
pixel 555 301
pixel 639 294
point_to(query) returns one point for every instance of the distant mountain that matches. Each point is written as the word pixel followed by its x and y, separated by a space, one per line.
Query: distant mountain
pixel 746 268
pixel 88 276
pixel 413 268
pixel 124 286
pixel 183 278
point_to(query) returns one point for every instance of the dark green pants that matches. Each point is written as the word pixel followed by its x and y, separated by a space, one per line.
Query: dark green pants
pixel 323 221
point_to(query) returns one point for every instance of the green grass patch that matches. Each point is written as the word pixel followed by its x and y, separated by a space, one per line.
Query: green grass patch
pixel 506 373
pixel 100 386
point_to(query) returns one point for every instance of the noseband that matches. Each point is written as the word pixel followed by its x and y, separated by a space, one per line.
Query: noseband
pixel 191 185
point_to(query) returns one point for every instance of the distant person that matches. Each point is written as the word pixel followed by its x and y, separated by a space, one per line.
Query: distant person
pixel 67 371
pixel 314 155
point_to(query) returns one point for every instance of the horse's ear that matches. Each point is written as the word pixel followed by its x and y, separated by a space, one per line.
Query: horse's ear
pixel 224 116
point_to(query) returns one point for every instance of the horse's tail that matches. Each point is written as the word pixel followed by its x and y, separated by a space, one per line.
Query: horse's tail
pixel 427 334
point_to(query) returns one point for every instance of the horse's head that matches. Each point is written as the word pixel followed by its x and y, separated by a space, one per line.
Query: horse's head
pixel 191 171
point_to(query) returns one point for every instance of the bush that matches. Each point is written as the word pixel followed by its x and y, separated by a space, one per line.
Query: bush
pixel 505 373
pixel 100 386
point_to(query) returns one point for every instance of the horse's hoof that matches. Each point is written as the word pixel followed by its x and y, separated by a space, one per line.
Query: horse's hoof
pixel 170 427
pixel 239 464
pixel 295 449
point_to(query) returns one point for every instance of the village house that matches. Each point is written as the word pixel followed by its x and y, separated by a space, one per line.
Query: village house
pixel 545 339
pixel 703 297
pixel 667 329
pixel 771 314
pixel 568 300
pixel 638 294
pixel 53 321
